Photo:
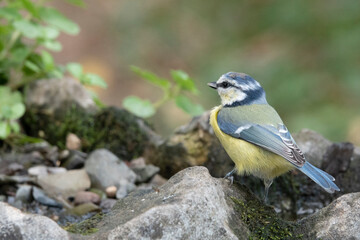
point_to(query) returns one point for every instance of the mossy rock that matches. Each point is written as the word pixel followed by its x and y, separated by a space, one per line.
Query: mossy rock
pixel 85 227
pixel 111 128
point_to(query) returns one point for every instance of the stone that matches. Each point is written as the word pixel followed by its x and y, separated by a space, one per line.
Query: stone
pixel 43 170
pixel 15 224
pixel 158 180
pixel 38 170
pixel 83 209
pixel 86 197
pixel 50 95
pixel 73 142
pixel 23 194
pixel 111 191
pixel 74 160
pixel 143 174
pixel 27 160
pixel 42 198
pixel 13 168
pixel 107 204
pixel 193 144
pixel 65 184
pixel 194 205
pixel 339 220
pixel 307 140
pixel 124 188
pixel 337 158
pixel 4 179
pixel 191 205
pixel 105 169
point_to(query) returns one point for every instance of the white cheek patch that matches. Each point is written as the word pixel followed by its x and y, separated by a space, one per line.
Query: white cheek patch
pixel 229 96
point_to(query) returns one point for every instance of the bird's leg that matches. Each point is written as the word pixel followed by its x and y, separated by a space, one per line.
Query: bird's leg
pixel 267 183
pixel 230 176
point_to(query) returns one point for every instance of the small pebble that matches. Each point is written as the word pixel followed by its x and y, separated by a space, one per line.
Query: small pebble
pixel 73 142
pixel 111 191
pixel 86 197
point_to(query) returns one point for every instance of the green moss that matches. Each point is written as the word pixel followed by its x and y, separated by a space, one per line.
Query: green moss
pixel 263 222
pixel 111 128
pixel 86 227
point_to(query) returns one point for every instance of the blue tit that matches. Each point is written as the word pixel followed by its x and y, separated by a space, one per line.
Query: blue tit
pixel 255 137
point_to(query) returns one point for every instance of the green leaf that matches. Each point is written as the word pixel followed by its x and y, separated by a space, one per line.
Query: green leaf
pixel 183 80
pixel 185 104
pixel 17 111
pixel 4 129
pixel 151 77
pixel 15 127
pixel 57 73
pixel 96 99
pixel 78 3
pixel 49 32
pixel 75 69
pixel 53 45
pixel 28 29
pixel 30 6
pixel 9 13
pixel 56 19
pixel 48 61
pixel 93 80
pixel 32 66
pixel 19 54
pixel 139 107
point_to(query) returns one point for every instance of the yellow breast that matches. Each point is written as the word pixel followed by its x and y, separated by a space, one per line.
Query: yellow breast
pixel 249 158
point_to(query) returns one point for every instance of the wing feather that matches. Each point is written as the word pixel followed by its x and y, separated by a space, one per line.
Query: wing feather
pixel 277 140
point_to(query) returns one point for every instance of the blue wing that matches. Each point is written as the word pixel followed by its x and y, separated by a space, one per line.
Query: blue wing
pixel 279 141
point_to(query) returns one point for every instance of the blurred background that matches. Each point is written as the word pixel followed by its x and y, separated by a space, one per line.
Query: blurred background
pixel 305 53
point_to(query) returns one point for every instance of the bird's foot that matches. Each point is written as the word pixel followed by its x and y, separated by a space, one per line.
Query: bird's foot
pixel 230 176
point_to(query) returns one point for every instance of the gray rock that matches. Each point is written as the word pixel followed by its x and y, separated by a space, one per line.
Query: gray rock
pixel 313 145
pixel 83 209
pixel 86 197
pixel 50 95
pixel 339 220
pixel 38 170
pixel 23 194
pixel 65 184
pixel 105 169
pixel 42 170
pixel 74 160
pixel 42 198
pixel 191 205
pixel 16 179
pixel 124 188
pixel 143 174
pixel 17 225
pixel 107 204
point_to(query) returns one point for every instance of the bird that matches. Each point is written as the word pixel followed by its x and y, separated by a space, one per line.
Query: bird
pixel 254 136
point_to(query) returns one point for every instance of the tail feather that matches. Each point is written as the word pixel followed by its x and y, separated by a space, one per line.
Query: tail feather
pixel 322 178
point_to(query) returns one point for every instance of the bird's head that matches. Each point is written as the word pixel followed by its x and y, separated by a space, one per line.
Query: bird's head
pixel 236 89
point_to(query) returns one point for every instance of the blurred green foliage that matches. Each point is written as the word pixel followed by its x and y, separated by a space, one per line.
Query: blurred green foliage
pixel 175 90
pixel 305 53
pixel 28 30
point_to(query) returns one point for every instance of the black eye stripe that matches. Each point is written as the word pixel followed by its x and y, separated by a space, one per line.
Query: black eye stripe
pixel 224 85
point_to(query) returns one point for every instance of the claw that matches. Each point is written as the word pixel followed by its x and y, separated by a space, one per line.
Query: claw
pixel 230 176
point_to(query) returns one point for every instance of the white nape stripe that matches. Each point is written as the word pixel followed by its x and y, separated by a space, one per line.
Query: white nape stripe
pixel 245 87
pixel 242 128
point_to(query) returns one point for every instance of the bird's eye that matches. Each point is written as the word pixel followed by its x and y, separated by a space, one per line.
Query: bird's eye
pixel 225 85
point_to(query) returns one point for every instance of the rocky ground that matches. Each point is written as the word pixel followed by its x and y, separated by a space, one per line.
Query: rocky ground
pixel 102 174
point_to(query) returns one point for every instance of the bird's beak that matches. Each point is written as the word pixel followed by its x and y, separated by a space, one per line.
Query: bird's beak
pixel 212 85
